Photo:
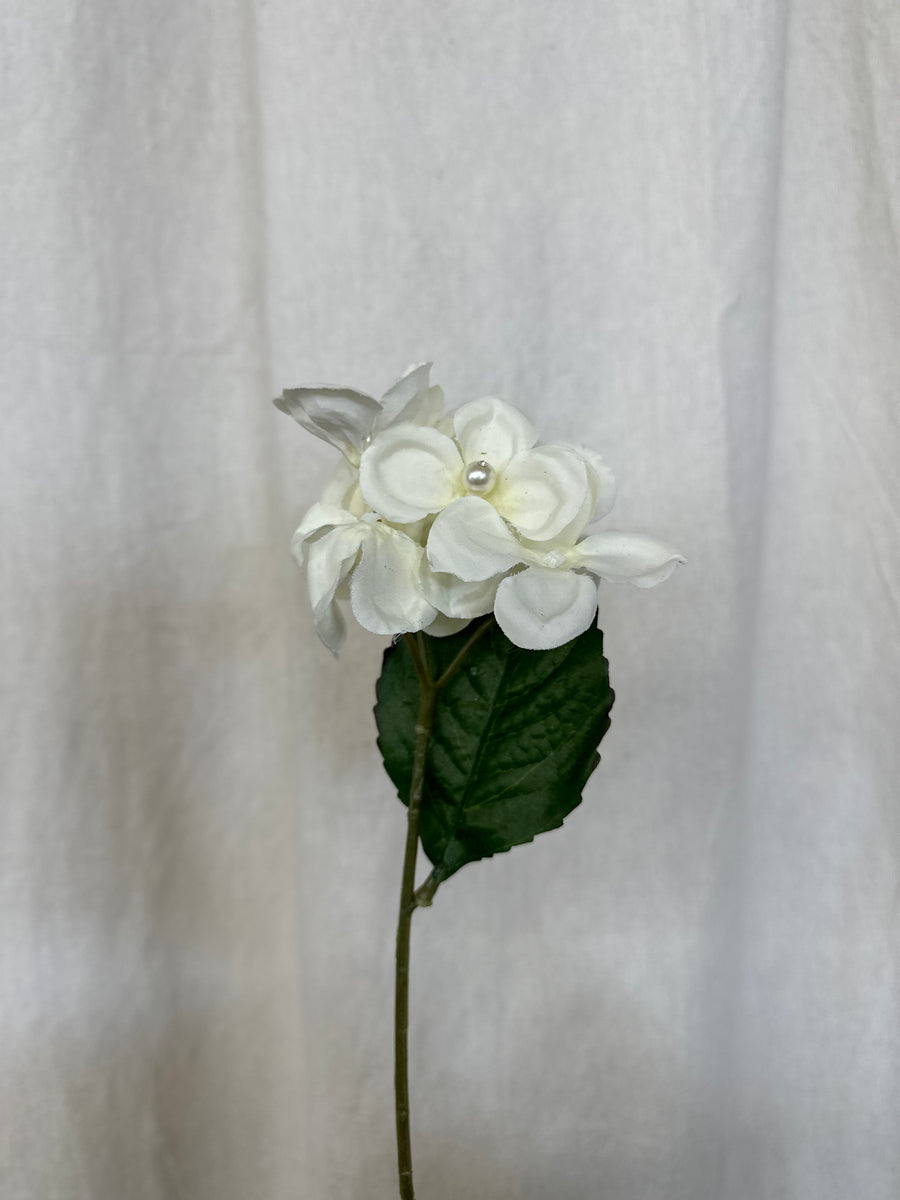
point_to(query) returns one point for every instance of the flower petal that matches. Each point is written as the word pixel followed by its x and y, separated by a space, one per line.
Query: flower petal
pixel 538 609
pixel 602 483
pixel 598 501
pixel 331 628
pixel 341 416
pixel 470 539
pixel 410 471
pixel 329 561
pixel 453 596
pixel 342 489
pixel 492 430
pixel 626 558
pixel 384 589
pixel 542 491
pixel 443 626
pixel 411 398
pixel 321 517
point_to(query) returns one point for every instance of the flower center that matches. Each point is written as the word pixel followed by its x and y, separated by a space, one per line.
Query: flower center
pixel 554 558
pixel 479 476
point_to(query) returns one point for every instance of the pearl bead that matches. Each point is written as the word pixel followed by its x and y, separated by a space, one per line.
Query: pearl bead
pixel 479 476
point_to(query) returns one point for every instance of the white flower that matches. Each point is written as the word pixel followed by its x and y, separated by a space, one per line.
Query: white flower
pixel 554 598
pixel 349 419
pixel 381 563
pixel 410 472
pixel 431 521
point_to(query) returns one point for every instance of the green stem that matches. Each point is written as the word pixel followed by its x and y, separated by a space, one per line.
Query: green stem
pixel 409 898
pixel 424 722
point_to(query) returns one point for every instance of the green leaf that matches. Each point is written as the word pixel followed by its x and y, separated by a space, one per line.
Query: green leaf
pixel 514 740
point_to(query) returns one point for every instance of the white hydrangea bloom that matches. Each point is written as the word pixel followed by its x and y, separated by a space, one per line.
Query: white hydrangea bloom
pixel 431 521
pixel 554 598
pixel 411 471
pixel 381 563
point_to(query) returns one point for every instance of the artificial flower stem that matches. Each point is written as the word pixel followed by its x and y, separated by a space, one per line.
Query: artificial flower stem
pixel 411 899
pixel 424 721
pixel 423 896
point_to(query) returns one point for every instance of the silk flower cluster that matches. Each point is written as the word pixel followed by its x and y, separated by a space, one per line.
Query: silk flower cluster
pixel 433 519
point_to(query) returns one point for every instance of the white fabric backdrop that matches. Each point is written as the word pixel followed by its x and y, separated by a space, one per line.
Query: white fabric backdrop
pixel 668 229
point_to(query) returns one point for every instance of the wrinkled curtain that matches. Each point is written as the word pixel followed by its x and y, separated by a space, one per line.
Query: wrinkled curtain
pixel 665 229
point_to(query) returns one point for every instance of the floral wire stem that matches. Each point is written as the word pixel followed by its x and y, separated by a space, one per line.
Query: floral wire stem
pixel 409 898
pixel 401 999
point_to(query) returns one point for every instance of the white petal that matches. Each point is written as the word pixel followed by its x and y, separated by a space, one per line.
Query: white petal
pixel 341 416
pixel 330 560
pixel 445 424
pixel 601 481
pixel 428 410
pixel 321 517
pixel 410 471
pixel 416 531
pixel 453 596
pixel 542 491
pixel 411 398
pixel 470 539
pixel 598 501
pixel 539 609
pixel 384 589
pixel 599 498
pixel 627 558
pixel 492 430
pixel 342 489
pixel 443 626
pixel 331 628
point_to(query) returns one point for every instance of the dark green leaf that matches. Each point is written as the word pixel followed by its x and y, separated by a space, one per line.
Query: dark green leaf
pixel 515 738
